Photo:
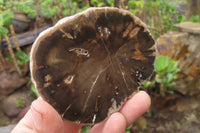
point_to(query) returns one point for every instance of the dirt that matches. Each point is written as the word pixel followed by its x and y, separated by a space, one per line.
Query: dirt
pixel 172 114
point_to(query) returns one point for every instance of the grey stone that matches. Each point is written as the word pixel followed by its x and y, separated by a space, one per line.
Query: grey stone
pixel 190 27
pixel 10 82
pixel 9 105
pixel 7 129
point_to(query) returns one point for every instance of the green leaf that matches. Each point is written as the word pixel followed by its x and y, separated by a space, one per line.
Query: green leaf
pixel 7 17
pixel 171 92
pixel 9 58
pixel 131 4
pixel 20 103
pixel 3 31
pixel 66 12
pixel 140 4
pixel 195 18
pixel 85 129
pixel 34 90
pixel 22 57
pixel 159 80
pixel 147 84
pixel 166 71
pixel 161 63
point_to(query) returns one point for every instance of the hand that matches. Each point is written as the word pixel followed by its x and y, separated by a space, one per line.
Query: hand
pixel 42 118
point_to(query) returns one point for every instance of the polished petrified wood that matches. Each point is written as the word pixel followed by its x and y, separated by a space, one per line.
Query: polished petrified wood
pixel 87 65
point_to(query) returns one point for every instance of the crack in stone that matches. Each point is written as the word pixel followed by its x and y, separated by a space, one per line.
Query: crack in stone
pixel 110 59
pixel 66 110
pixel 122 73
pixel 92 88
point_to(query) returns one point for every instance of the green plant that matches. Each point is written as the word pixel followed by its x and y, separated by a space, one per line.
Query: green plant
pixel 27 7
pixel 181 18
pixel 158 14
pixel 148 84
pixel 55 10
pixel 85 129
pixel 128 130
pixel 136 6
pixel 100 3
pixel 34 90
pixel 6 18
pixel 195 18
pixel 22 58
pixel 166 72
pixel 20 103
pixel 33 93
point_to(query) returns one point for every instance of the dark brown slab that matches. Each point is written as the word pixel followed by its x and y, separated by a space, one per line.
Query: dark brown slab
pixel 87 65
pixel 24 39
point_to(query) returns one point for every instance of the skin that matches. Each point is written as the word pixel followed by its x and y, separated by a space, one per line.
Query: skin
pixel 42 118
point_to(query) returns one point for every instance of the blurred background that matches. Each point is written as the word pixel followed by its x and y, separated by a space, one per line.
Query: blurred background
pixel 174 86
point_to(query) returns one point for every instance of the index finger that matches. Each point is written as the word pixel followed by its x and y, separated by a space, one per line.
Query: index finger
pixel 135 107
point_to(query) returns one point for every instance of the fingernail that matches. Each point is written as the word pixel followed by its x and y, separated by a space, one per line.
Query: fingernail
pixel 37 117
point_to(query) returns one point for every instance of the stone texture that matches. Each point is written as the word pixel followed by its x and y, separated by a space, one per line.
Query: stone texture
pixel 10 82
pixel 185 48
pixel 20 22
pixel 190 27
pixel 7 129
pixel 9 104
pixel 4 120
pixel 87 65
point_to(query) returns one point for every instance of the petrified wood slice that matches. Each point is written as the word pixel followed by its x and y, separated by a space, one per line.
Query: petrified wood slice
pixel 87 65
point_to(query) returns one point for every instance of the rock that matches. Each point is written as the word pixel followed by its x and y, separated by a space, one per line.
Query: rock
pixel 7 129
pixel 190 27
pixel 185 48
pixel 20 22
pixel 169 44
pixel 10 82
pixel 25 38
pixel 9 105
pixel 187 104
pixel 4 120
pixel 20 26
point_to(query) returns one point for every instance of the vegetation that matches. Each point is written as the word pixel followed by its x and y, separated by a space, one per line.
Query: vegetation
pixel 85 129
pixel 159 15
pixel 166 72
pixel 34 90
pixel 6 20
pixel 20 103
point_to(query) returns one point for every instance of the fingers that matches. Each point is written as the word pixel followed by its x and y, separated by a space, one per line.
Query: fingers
pixel 135 107
pixel 42 118
pixel 24 126
pixel 45 118
pixel 115 124
pixel 119 121
pixel 71 127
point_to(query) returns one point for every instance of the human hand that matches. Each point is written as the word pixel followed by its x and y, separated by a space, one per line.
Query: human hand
pixel 43 118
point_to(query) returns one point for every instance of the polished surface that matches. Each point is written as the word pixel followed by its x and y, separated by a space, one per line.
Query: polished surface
pixel 87 65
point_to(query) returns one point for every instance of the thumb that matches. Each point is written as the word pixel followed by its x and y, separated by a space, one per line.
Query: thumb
pixel 45 118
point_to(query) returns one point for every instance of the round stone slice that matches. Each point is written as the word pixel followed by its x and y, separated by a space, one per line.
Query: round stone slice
pixel 87 65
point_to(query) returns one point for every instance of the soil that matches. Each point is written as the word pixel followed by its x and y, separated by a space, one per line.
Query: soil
pixel 173 114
